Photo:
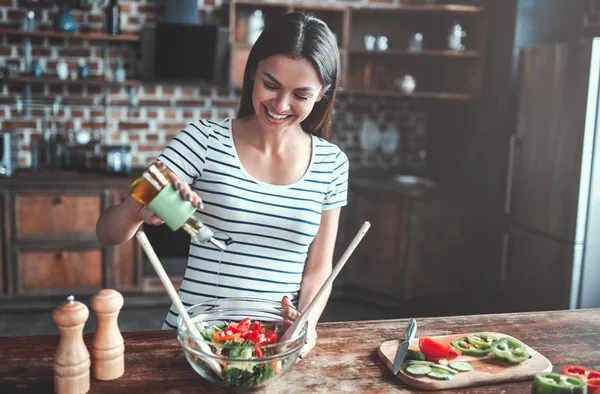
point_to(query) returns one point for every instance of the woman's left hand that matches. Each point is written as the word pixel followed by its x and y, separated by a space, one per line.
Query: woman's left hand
pixel 311 335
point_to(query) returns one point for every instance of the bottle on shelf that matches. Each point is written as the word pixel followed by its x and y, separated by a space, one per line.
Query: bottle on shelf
pixel 155 190
pixel 112 18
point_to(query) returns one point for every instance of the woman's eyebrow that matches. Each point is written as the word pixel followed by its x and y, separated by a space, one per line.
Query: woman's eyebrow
pixel 303 89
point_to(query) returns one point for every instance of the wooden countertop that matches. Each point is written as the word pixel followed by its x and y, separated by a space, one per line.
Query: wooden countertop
pixel 56 179
pixel 344 360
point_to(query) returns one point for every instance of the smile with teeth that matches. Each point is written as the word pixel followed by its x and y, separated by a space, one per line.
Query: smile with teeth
pixel 275 116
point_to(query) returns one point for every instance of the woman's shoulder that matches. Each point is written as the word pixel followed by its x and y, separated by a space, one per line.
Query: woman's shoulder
pixel 330 150
pixel 211 126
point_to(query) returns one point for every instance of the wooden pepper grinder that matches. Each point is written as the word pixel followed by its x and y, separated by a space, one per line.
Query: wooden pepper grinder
pixel 108 350
pixel 72 359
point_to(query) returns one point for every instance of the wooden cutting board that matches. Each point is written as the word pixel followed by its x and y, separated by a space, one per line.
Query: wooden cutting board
pixel 487 370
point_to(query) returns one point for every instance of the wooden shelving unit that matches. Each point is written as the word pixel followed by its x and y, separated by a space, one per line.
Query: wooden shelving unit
pixel 82 36
pixel 417 95
pixel 46 80
pixel 440 73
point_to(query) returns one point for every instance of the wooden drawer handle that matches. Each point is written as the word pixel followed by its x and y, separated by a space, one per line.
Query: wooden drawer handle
pixel 59 256
pixel 57 200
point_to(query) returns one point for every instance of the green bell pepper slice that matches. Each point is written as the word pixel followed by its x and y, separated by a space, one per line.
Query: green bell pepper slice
pixel 469 349
pixel 481 340
pixel 553 383
pixel 510 349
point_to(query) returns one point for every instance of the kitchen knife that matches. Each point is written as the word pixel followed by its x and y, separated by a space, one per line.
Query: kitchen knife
pixel 409 334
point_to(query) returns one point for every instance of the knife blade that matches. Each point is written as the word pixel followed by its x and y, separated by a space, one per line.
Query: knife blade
pixel 409 334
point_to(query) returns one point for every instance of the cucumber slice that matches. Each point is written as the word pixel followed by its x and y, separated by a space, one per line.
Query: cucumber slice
pixel 444 368
pixel 419 362
pixel 461 366
pixel 443 361
pixel 440 374
pixel 418 369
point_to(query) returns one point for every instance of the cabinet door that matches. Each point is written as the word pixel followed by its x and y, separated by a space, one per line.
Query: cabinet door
pixel 375 265
pixel 3 236
pixel 440 246
pixel 60 269
pixel 42 214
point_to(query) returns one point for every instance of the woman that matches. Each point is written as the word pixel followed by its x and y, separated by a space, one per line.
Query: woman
pixel 268 178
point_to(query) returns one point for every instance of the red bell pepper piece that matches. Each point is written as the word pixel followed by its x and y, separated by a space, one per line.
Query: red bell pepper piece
pixel 435 350
pixel 272 337
pixel 589 376
pixel 225 335
pixel 593 381
pixel 576 371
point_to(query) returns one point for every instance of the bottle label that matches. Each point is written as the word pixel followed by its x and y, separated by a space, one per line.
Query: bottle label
pixel 171 207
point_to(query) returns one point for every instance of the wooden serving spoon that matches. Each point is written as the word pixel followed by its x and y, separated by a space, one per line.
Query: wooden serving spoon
pixel 164 278
pixel 296 327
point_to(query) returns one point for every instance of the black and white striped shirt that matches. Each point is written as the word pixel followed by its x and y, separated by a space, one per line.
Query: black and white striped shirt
pixel 272 226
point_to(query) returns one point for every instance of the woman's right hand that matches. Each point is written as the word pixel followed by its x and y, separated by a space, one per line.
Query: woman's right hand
pixel 149 217
pixel 186 191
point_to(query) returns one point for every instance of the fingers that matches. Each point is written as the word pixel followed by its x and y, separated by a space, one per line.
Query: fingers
pixel 186 191
pixel 311 341
pixel 288 308
pixel 149 217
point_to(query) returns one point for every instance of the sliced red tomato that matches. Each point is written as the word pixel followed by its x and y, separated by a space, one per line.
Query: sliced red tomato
pixel 435 350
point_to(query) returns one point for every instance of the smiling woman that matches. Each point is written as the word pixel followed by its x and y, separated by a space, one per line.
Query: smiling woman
pixel 269 178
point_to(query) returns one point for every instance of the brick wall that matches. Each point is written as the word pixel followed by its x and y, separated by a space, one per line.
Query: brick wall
pixel 160 110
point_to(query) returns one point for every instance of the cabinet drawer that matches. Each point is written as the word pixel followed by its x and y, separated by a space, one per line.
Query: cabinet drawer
pixel 60 269
pixel 41 214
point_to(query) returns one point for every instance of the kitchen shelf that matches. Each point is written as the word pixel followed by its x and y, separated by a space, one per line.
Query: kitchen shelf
pixel 407 7
pixel 418 95
pixel 433 53
pixel 83 36
pixel 450 8
pixel 45 80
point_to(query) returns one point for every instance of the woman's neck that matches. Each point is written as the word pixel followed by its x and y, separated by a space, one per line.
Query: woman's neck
pixel 268 142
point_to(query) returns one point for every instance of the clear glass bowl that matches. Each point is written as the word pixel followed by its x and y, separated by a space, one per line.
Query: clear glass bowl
pixel 240 369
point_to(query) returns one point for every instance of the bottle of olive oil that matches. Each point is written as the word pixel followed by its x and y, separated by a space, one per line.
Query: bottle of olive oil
pixel 155 190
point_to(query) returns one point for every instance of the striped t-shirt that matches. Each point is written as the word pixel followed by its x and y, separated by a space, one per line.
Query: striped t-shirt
pixel 271 226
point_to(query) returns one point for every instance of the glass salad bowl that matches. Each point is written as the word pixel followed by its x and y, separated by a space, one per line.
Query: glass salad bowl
pixel 240 345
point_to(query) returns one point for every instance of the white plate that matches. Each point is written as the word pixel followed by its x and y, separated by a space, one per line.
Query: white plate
pixel 370 136
pixel 390 139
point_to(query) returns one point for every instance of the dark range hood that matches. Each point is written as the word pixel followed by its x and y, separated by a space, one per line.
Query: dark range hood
pixel 176 52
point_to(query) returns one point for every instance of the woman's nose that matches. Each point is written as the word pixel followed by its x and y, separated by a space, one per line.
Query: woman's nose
pixel 282 103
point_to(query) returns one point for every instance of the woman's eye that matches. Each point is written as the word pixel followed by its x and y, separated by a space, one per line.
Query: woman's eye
pixel 299 97
pixel 270 87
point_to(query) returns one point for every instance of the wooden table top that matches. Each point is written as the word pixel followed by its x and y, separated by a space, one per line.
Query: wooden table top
pixel 345 359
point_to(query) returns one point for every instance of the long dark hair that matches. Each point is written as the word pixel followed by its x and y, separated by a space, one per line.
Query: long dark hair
pixel 299 36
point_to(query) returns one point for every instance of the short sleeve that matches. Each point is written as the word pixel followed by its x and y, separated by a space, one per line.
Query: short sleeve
pixel 186 153
pixel 337 194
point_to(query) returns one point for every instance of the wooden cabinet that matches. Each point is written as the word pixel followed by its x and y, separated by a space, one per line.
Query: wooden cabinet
pixel 60 270
pixel 46 213
pixel 418 251
pixel 48 243
pixel 439 72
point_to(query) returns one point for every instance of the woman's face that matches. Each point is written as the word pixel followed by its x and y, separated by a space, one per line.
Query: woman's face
pixel 285 91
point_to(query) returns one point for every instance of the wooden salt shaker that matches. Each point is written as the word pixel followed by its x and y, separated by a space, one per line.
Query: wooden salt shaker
pixel 72 359
pixel 108 350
